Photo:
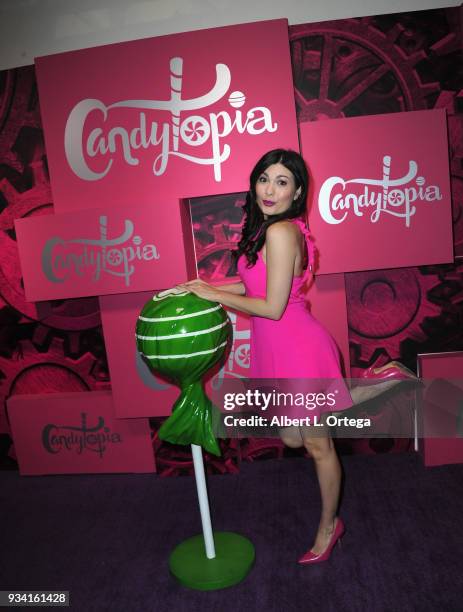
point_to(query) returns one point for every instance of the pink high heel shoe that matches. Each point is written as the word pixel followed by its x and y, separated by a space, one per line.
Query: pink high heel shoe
pixel 311 557
pixel 391 371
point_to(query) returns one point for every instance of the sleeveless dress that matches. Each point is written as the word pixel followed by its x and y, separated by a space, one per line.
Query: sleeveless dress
pixel 296 346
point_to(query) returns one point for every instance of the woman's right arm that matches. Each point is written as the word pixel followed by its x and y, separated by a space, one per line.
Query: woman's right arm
pixel 235 288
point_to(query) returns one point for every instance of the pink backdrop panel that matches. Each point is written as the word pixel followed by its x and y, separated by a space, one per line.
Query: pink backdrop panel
pixel 381 190
pixel 104 250
pixel 74 433
pixel 136 391
pixel 180 115
pixel 449 367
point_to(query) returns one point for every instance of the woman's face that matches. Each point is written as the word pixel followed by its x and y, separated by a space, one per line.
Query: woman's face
pixel 276 190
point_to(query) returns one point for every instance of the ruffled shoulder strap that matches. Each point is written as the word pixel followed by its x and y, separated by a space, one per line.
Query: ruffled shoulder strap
pixel 311 248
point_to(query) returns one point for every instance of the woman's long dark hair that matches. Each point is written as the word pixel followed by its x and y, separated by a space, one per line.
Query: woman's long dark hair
pixel 255 226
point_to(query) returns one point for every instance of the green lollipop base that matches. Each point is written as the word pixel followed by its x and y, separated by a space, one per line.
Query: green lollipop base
pixel 232 563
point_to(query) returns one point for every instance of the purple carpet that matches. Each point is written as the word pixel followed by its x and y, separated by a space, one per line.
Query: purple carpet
pixel 107 538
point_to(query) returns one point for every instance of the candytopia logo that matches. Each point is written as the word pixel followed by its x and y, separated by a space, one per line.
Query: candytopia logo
pixel 62 438
pixel 66 259
pixel 398 197
pixel 188 126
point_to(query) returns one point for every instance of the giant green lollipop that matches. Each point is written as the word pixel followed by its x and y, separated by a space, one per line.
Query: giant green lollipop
pixel 181 336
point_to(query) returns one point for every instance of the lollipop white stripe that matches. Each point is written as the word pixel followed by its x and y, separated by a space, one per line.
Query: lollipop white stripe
pixel 186 355
pixel 167 293
pixel 185 316
pixel 185 335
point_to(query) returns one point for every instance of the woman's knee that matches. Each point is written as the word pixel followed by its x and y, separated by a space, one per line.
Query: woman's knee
pixel 319 448
pixel 291 436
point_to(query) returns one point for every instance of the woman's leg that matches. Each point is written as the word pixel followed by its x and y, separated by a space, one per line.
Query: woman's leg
pixel 363 393
pixel 386 377
pixel 328 470
pixel 291 436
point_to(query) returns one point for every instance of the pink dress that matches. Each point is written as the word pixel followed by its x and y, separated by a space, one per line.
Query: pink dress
pixel 297 346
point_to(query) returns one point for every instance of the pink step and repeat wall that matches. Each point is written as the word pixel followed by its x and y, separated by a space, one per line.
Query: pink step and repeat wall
pixel 149 146
pixel 440 402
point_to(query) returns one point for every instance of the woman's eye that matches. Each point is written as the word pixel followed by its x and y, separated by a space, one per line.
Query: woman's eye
pixel 262 179
pixel 283 183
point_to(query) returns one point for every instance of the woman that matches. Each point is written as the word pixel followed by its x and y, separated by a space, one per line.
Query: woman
pixel 275 259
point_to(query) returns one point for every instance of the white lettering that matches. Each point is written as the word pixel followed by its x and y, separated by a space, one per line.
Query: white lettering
pixel 338 197
pixel 171 137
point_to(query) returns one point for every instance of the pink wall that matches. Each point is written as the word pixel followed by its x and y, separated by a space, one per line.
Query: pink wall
pixel 71 433
pixel 172 116
pixel 82 174
pixel 380 190
pixel 441 408
pixel 59 345
pixel 102 251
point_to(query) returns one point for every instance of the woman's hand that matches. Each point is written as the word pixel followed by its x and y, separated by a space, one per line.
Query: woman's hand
pixel 201 289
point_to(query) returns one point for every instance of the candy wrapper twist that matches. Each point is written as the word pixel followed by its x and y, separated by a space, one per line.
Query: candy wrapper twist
pixel 181 336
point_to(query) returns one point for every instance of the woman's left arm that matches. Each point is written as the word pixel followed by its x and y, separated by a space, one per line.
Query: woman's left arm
pixel 281 250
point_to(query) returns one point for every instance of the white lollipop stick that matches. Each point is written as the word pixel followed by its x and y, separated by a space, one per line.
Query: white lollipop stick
pixel 203 501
